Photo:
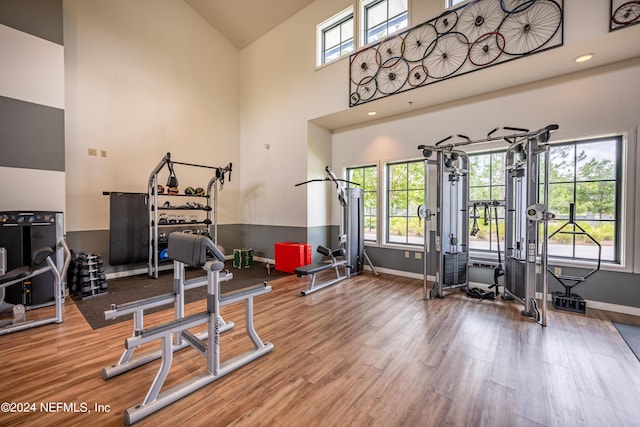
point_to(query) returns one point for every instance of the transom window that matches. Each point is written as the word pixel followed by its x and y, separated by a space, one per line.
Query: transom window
pixel 383 17
pixel 367 178
pixel 405 193
pixel 451 3
pixel 335 37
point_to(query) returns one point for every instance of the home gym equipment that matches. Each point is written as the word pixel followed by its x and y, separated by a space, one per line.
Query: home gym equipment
pixel 193 251
pixel 39 279
pixel 351 237
pixel 156 219
pixel 312 270
pixel 450 168
pixel 137 308
pixel 566 300
pixel 526 212
pixel 21 232
pixel 86 276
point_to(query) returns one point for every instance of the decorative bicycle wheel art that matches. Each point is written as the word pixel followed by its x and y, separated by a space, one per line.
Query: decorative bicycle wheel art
pixel 475 35
pixel 624 13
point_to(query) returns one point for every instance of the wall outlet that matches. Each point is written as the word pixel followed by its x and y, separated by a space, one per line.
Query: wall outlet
pixel 418 255
pixel 557 271
pixel 92 152
pixel 103 153
pixel 406 254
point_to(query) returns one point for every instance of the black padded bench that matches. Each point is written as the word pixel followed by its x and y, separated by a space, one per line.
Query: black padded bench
pixel 313 269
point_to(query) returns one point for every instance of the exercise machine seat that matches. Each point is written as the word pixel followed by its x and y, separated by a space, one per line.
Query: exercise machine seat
pixel 38 256
pixel 193 250
pixel 316 268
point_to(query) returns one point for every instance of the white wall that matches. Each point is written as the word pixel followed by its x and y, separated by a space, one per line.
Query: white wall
pixel 144 78
pixel 587 104
pixel 282 90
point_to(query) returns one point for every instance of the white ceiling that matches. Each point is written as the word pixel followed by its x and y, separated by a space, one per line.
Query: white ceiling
pixel 244 21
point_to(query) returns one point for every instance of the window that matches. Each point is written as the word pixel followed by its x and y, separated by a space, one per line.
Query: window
pixel 383 17
pixel 587 174
pixel 335 37
pixel 451 3
pixel 367 178
pixel 405 192
pixel 486 183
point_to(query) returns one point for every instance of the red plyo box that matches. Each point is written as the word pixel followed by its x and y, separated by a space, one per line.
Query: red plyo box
pixel 290 256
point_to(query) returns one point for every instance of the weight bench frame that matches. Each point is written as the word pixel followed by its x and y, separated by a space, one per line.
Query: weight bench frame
pixel 127 362
pixel 192 250
pixel 312 270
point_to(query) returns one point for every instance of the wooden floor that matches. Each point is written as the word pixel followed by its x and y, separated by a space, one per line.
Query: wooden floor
pixel 366 352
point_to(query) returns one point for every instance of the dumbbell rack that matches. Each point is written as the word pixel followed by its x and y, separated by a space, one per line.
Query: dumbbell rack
pixel 159 230
pixel 90 275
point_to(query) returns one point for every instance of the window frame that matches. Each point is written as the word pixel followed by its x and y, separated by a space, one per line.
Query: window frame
pixel 377 197
pixel 491 252
pixel 386 215
pixel 329 24
pixel 365 5
pixel 621 195
pixel 448 4
pixel 618 254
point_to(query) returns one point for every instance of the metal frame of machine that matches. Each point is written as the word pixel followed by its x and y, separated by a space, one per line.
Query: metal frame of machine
pixel 526 215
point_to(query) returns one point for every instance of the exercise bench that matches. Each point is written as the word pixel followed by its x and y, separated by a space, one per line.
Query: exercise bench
pixel 193 250
pixel 312 270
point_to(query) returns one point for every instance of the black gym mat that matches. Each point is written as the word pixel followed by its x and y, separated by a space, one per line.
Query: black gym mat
pixel 631 335
pixel 129 289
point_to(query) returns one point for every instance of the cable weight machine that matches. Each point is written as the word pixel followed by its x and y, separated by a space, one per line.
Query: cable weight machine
pixel 526 216
pixel 350 238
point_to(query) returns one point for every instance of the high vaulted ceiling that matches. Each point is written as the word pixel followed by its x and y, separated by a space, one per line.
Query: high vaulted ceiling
pixel 244 21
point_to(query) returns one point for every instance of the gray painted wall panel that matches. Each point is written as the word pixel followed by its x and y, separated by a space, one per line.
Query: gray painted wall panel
pixel 41 18
pixel 604 286
pixel 31 135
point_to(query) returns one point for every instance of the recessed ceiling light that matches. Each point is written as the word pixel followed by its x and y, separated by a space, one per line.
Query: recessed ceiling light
pixel 584 57
pixel 371 113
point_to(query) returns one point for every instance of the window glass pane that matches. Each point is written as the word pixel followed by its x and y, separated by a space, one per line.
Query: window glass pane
pixel 367 178
pixel 416 175
pixel 480 166
pixel 332 37
pixel 497 192
pixel 397 230
pixel 376 14
pixel 561 163
pixel 479 193
pixel 371 179
pixel 497 168
pixel 596 200
pixel 398 176
pixel 560 196
pixel 356 176
pixel 596 161
pixel 397 7
pixel 347 29
pixel 397 203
